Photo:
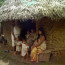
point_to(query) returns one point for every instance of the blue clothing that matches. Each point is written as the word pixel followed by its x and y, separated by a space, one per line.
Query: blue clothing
pixel 26 2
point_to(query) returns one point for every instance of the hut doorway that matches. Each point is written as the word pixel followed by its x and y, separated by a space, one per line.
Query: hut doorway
pixel 1 28
pixel 30 24
pixel 27 26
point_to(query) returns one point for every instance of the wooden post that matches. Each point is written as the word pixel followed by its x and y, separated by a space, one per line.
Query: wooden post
pixel 37 21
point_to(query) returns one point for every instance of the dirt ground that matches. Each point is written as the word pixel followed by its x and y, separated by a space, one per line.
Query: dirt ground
pixel 7 58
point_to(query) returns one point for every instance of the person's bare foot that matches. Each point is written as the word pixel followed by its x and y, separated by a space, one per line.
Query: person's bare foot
pixel 32 61
pixel 14 53
pixel 37 61
pixel 27 59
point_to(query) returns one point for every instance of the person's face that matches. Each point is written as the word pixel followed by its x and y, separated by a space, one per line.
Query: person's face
pixel 32 30
pixel 40 32
pixel 17 39
pixel 16 23
pixel 27 32
pixel 24 41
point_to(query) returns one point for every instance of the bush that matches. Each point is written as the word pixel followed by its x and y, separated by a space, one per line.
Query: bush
pixel 1 2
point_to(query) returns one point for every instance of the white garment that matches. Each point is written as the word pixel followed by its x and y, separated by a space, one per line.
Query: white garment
pixel 43 46
pixel 24 49
pixel 16 31
pixel 18 42
pixel 18 48
pixel 13 42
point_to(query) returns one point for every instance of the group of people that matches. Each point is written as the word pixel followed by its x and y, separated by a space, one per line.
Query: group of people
pixel 29 44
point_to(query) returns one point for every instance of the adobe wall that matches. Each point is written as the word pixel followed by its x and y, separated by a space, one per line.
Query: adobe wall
pixel 55 33
pixel 7 31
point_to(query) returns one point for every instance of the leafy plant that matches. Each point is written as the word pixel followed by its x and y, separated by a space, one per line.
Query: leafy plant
pixel 1 2
pixel 46 64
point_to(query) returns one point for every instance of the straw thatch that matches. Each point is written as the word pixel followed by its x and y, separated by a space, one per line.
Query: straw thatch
pixel 21 9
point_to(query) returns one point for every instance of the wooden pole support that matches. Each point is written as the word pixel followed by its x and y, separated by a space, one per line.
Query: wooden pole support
pixel 37 21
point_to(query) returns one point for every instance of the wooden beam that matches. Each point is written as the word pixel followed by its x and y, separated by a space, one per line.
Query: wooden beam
pixel 37 21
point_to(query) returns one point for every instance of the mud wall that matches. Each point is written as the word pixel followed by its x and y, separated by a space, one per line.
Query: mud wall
pixel 7 31
pixel 55 33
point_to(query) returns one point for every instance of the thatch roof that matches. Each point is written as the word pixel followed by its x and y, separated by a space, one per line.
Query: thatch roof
pixel 36 9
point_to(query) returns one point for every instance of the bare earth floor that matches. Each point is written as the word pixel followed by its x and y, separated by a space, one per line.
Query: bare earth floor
pixel 7 58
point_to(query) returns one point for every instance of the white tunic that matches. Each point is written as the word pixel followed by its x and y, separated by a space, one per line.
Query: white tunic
pixel 16 31
pixel 24 49
pixel 12 37
pixel 18 47
pixel 43 46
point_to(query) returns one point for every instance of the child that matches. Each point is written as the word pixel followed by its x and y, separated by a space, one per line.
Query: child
pixel 18 45
pixel 28 34
pixel 25 47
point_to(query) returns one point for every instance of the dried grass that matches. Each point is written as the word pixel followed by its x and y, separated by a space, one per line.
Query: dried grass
pixel 17 9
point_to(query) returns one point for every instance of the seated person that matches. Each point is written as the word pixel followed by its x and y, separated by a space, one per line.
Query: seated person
pixel 18 43
pixel 24 50
pixel 39 46
pixel 28 34
pixel 30 38
pixel 33 34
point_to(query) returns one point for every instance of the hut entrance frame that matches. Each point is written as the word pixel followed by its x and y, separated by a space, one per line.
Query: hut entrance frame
pixel 1 28
pixel 27 25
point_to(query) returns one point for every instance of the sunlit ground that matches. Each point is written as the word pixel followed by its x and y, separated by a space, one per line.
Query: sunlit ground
pixel 3 63
pixel 7 58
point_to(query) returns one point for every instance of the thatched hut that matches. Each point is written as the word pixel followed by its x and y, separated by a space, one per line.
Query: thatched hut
pixel 49 14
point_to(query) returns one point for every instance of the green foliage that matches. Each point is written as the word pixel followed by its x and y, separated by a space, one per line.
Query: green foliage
pixel 1 2
pixel 46 63
pixel 3 55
